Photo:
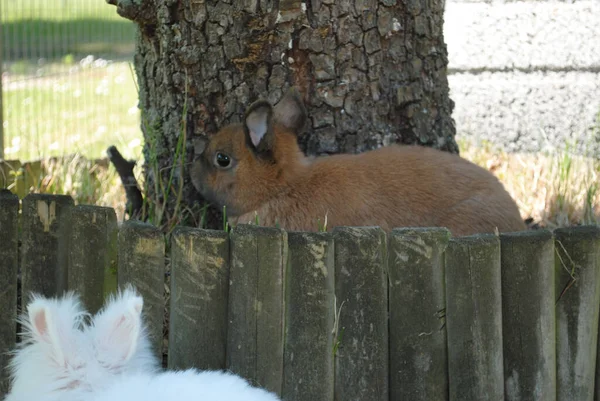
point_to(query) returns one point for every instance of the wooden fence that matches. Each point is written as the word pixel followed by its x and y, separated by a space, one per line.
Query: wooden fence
pixel 348 315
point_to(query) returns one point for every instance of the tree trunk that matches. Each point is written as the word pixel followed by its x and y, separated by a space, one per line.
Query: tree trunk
pixel 370 72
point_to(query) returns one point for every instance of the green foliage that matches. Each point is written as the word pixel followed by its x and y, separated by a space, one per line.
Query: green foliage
pixel 226 226
pixel 167 181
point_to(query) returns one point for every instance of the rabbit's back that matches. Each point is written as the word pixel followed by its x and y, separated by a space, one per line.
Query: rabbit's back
pixel 394 186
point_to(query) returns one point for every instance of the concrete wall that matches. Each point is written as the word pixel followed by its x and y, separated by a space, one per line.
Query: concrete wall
pixel 526 75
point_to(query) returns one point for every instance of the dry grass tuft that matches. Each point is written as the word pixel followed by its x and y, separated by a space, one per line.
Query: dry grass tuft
pixel 556 190
pixel 89 182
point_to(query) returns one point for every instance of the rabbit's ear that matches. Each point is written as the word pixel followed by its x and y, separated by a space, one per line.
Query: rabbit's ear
pixel 52 322
pixel 291 112
pixel 258 128
pixel 118 328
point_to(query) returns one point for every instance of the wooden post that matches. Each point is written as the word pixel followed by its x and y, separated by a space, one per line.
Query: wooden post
pixel 9 247
pixel 90 243
pixel 256 305
pixel 528 316
pixel 199 289
pixel 310 315
pixel 578 299
pixel 418 348
pixel 361 342
pixel 43 267
pixel 141 249
pixel 474 318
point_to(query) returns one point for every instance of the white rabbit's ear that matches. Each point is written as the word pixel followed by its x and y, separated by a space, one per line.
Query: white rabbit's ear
pixel 43 327
pixel 118 328
pixel 52 322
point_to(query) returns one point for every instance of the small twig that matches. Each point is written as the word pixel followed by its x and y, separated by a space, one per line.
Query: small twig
pixel 124 168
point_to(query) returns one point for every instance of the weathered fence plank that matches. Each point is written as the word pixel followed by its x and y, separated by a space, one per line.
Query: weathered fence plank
pixel 199 290
pixel 528 322
pixel 9 248
pixel 361 342
pixel 310 315
pixel 256 304
pixel 43 267
pixel 90 243
pixel 578 298
pixel 418 348
pixel 474 318
pixel 141 250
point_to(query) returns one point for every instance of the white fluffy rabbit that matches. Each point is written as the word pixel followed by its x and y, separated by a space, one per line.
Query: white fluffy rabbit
pixel 61 358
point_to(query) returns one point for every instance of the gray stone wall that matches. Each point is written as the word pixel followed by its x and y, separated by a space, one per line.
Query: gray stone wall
pixel 526 75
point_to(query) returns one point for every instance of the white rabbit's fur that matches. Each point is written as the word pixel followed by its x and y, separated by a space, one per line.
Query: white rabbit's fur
pixel 188 385
pixel 63 359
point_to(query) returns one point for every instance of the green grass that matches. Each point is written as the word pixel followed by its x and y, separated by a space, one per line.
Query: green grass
pixel 57 99
pixel 83 111
pixel 33 29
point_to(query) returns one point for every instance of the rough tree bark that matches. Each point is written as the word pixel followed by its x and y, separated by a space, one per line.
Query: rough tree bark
pixel 370 72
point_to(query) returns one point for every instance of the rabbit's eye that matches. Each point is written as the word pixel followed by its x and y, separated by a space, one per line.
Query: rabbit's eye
pixel 222 160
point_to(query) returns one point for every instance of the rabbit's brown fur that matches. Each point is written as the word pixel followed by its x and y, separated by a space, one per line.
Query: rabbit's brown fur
pixel 394 186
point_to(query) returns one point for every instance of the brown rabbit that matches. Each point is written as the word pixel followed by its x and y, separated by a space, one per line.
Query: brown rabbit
pixel 257 167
